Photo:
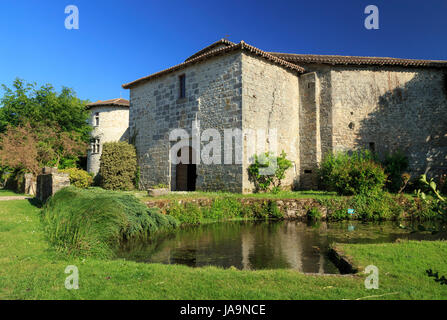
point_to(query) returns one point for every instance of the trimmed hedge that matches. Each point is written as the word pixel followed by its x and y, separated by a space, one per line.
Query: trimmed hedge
pixel 118 166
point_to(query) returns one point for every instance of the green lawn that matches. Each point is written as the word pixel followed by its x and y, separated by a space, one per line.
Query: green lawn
pixel 30 270
pixel 8 193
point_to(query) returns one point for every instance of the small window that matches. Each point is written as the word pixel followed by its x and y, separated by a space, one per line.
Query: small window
pixel 182 82
pixel 96 121
pixel 372 147
pixel 95 145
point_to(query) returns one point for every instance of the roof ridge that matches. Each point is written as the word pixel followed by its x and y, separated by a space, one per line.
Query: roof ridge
pixel 360 60
pixel 241 45
pixel 220 41
pixel 109 102
pixel 340 55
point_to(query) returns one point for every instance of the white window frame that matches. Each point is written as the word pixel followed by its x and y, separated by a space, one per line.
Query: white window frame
pixel 95 146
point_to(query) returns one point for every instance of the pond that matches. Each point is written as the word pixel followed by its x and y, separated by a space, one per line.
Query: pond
pixel 254 245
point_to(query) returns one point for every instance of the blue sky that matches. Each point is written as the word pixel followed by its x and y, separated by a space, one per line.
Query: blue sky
pixel 120 41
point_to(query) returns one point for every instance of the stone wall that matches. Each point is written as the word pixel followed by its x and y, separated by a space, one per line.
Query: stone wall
pixel 270 103
pixel 49 182
pixel 113 126
pixel 30 184
pixel 213 96
pixel 391 108
pixel 291 208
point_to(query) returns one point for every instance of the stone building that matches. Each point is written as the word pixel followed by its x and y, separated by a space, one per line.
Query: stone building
pixel 110 122
pixel 314 104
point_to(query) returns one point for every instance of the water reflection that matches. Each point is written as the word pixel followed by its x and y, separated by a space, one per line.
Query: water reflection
pixel 262 245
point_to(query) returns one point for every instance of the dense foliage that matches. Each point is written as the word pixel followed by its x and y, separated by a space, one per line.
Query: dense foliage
pixel 350 174
pixel 30 147
pixel 93 222
pixel 395 165
pixel 268 171
pixel 118 166
pixel 26 103
pixel 40 127
pixel 439 202
pixel 78 177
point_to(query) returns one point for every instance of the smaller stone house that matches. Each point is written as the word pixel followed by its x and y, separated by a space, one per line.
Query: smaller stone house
pixel 110 122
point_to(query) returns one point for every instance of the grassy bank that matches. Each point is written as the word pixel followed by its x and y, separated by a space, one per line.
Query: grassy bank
pixel 93 222
pixel 213 195
pixel 198 207
pixel 29 269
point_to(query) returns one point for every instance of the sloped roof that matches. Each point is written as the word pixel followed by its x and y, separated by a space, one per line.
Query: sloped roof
pixel 356 60
pixel 210 52
pixel 119 102
pixel 219 43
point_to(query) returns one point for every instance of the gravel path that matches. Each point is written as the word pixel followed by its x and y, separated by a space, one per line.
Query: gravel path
pixel 6 198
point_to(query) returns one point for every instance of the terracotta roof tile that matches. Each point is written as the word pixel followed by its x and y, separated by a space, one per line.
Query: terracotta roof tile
pixel 221 42
pixel 215 52
pixel 355 60
pixel 119 102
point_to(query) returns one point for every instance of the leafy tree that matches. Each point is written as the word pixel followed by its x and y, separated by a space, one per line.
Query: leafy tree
pixel 30 147
pixel 26 103
pixel 40 127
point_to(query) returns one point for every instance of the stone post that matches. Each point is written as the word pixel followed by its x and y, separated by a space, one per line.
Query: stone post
pixel 49 182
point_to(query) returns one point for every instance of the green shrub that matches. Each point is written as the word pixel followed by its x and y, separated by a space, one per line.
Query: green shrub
pixel 369 207
pixel 351 174
pixel 273 210
pixel 188 213
pixel 265 210
pixel 264 177
pixel 314 214
pixel 118 166
pixel 15 180
pixel 395 165
pixel 223 208
pixel 78 177
pixel 93 222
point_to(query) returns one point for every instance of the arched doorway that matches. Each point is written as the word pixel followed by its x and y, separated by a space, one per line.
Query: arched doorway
pixel 186 173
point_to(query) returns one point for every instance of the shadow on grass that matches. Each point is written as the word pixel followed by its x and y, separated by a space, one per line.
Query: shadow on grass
pixel 35 202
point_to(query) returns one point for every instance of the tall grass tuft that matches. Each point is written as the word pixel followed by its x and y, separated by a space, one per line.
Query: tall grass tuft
pixel 93 222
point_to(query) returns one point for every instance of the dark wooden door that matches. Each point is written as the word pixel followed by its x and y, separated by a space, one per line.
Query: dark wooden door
pixel 186 174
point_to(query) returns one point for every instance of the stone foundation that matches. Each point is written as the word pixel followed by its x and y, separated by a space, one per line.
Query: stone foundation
pixel 291 208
